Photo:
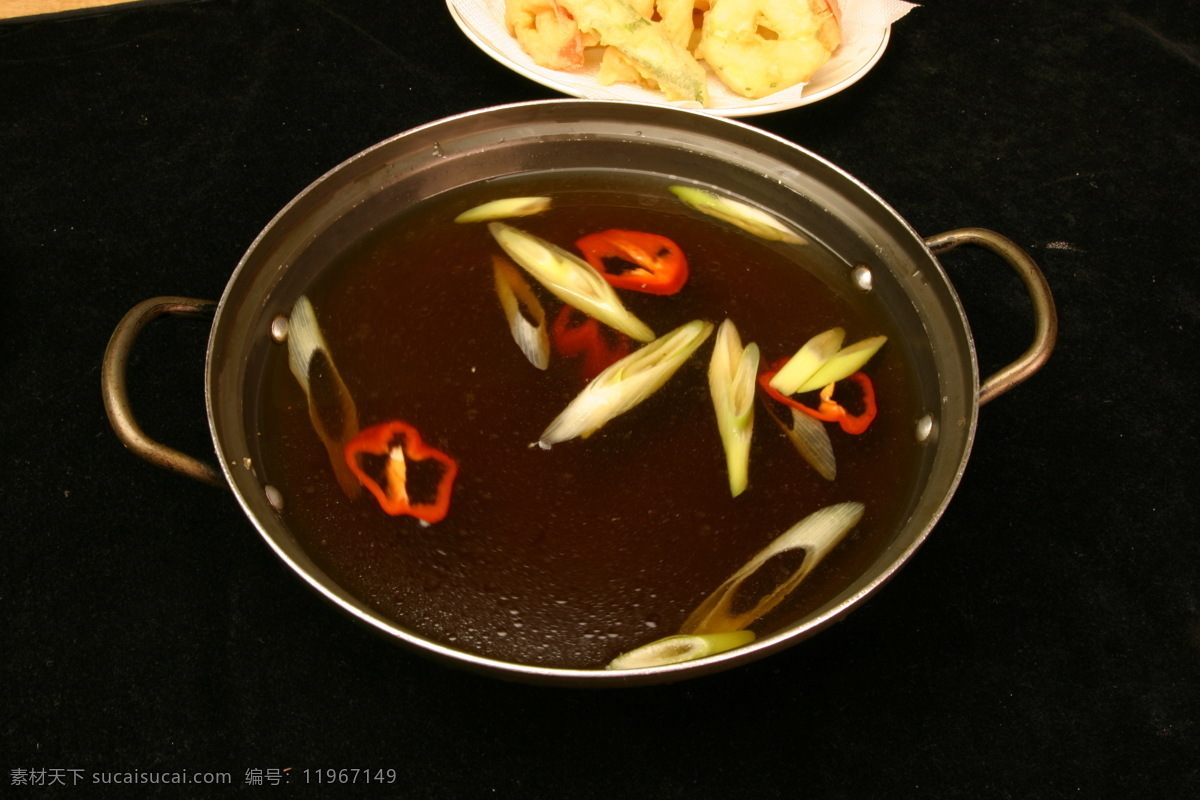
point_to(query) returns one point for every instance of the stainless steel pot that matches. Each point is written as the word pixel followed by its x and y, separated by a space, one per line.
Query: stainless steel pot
pixel 844 215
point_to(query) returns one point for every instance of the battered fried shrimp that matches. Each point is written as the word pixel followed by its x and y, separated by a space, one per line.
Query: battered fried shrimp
pixel 759 47
pixel 546 31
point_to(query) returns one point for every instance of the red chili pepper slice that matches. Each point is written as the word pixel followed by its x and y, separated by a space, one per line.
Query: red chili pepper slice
pixel 654 264
pixel 854 423
pixel 573 338
pixel 829 409
pixel 400 443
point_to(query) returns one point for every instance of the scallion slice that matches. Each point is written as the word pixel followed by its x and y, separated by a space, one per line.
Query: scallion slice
pixel 570 278
pixel 807 360
pixel 811 439
pixel 732 373
pixel 843 364
pixel 677 649
pixel 508 207
pixel 816 534
pixel 735 212
pixel 525 314
pixel 809 436
pixel 331 409
pixel 626 383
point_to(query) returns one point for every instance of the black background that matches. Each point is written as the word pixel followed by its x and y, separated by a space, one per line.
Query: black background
pixel 1045 642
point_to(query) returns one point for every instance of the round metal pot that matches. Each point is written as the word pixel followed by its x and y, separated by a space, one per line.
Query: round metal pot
pixel 892 261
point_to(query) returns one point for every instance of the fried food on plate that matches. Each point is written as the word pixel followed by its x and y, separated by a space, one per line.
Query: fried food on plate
pixel 645 43
pixel 674 17
pixel 755 47
pixel 759 47
pixel 546 31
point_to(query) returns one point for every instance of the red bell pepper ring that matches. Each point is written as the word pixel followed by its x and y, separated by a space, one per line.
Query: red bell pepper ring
pixel 829 409
pixel 400 443
pixel 588 339
pixel 655 264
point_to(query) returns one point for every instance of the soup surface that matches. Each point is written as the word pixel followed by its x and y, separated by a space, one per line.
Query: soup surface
pixel 569 556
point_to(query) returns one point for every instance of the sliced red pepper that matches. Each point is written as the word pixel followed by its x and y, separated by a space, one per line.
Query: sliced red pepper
pixel 400 443
pixel 829 409
pixel 644 262
pixel 573 337
pixel 854 423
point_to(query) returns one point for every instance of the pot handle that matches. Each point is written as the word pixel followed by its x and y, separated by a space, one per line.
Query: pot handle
pixel 116 399
pixel 1045 318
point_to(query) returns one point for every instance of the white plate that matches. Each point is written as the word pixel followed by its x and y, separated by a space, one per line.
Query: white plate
pixel 482 21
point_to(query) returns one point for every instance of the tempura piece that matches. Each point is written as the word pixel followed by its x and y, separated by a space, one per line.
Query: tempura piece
pixel 674 18
pixel 647 44
pixel 546 31
pixel 759 47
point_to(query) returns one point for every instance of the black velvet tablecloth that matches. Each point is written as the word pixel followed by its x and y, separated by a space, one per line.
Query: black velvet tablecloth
pixel 1044 642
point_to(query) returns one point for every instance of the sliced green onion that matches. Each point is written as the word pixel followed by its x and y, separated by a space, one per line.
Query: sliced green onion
pixel 811 439
pixel 807 360
pixel 732 376
pixel 677 649
pixel 526 316
pixel 735 212
pixel 330 407
pixel 843 364
pixel 808 435
pixel 570 278
pixel 816 534
pixel 626 383
pixel 508 207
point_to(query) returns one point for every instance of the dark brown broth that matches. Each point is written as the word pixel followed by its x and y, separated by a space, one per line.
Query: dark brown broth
pixel 570 556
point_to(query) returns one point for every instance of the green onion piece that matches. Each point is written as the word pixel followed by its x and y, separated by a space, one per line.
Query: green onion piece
pixel 811 439
pixel 330 407
pixel 732 376
pixel 570 278
pixel 816 534
pixel 809 436
pixel 807 360
pixel 843 364
pixel 526 316
pixel 677 649
pixel 626 383
pixel 508 207
pixel 735 212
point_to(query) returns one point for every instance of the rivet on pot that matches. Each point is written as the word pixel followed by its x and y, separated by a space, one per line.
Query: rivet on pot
pixel 924 428
pixel 273 497
pixel 279 328
pixel 862 278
